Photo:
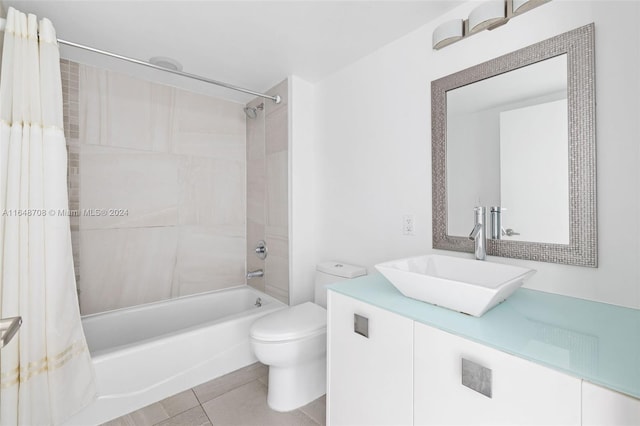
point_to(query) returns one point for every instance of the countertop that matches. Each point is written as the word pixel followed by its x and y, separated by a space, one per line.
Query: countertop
pixel 593 341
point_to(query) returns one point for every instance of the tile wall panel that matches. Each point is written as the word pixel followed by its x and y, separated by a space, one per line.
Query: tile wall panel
pixel 268 193
pixel 69 73
pixel 143 183
pixel 256 192
pixel 126 266
pixel 176 162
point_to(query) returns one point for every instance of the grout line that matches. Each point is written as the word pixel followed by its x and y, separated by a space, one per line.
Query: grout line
pixel 236 387
pixel 309 417
pixel 206 414
pixel 224 393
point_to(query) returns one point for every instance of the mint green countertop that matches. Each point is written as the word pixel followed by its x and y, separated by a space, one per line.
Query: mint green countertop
pixel 589 340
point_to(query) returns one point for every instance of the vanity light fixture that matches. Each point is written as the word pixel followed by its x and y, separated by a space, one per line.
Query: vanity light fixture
pixel 447 33
pixel 488 15
pixel 521 6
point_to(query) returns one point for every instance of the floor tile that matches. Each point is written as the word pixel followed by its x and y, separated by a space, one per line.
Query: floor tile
pixel 238 398
pixel 221 385
pixel 158 411
pixel 317 410
pixel 149 415
pixel 125 420
pixel 264 380
pixel 179 403
pixel 193 417
pixel 247 405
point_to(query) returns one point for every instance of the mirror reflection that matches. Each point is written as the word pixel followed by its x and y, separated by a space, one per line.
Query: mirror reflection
pixel 507 146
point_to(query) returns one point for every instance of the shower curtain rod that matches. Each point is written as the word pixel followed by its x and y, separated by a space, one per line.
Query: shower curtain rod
pixel 276 98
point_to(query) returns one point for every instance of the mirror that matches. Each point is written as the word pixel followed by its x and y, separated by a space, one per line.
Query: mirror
pixel 518 132
pixel 507 146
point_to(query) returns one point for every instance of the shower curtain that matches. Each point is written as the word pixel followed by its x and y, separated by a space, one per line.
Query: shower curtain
pixel 46 370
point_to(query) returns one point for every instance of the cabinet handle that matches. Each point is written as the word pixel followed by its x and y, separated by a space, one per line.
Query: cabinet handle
pixel 361 325
pixel 476 377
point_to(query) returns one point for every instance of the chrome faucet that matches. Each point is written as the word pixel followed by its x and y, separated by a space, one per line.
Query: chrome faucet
pixel 479 234
pixel 255 274
pixel 496 222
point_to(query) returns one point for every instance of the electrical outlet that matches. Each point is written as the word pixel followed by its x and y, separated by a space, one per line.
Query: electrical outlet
pixel 408 225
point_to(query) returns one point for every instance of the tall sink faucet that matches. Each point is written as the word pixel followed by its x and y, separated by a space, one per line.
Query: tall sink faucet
pixel 479 234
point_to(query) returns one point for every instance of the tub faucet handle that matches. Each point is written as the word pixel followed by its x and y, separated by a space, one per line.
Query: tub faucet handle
pixel 261 250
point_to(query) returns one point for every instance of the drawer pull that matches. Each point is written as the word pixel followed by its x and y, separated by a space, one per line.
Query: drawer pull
pixel 361 325
pixel 476 377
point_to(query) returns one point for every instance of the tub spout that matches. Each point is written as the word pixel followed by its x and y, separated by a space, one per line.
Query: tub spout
pixel 254 274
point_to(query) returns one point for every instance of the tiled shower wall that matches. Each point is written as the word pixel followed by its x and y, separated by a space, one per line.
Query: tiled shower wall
pixel 267 193
pixel 158 176
pixel 69 72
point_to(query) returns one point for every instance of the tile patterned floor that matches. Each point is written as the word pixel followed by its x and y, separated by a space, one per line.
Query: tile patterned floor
pixel 238 398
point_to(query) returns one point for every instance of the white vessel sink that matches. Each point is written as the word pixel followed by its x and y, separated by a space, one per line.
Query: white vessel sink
pixel 464 285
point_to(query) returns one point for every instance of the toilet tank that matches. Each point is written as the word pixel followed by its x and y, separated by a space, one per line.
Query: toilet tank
pixel 332 272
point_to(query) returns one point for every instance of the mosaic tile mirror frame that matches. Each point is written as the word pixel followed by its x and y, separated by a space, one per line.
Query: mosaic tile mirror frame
pixel 581 250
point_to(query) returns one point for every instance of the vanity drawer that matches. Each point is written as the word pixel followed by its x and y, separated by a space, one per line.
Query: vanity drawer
pixel 602 406
pixel 519 392
pixel 370 364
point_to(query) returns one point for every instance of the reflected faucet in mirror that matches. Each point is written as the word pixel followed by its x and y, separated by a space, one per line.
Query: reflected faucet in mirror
pixel 496 222
pixel 478 233
pixel 497 231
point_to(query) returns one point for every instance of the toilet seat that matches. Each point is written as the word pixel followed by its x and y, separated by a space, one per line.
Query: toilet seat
pixel 294 323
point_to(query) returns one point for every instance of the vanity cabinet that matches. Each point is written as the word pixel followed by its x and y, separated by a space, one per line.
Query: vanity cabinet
pixel 370 364
pixel 518 392
pixel 602 406
pixel 386 368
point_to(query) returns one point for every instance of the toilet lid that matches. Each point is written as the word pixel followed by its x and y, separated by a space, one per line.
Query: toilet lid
pixel 291 323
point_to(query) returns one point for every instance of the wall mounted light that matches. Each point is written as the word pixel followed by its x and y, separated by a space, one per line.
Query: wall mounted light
pixel 488 15
pixel 521 6
pixel 447 33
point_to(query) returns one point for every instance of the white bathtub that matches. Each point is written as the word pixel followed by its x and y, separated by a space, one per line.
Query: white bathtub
pixel 146 353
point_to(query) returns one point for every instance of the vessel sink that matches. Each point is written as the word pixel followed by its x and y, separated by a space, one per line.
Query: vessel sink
pixel 464 285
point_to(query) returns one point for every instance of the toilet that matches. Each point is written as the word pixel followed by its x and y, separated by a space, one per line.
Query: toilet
pixel 293 343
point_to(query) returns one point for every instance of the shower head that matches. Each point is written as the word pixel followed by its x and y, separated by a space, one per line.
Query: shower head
pixel 252 112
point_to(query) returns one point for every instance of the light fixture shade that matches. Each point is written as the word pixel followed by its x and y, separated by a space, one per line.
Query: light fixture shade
pixel 487 14
pixel 447 33
pixel 521 6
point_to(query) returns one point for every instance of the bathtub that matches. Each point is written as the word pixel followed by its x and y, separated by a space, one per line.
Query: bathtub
pixel 146 353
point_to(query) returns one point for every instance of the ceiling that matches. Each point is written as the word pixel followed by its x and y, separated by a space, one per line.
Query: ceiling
pixel 252 44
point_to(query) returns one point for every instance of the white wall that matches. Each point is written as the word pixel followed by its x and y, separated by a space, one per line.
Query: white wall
pixel 302 202
pixel 534 172
pixel 473 166
pixel 373 145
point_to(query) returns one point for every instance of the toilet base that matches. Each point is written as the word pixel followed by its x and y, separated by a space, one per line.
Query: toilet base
pixel 293 387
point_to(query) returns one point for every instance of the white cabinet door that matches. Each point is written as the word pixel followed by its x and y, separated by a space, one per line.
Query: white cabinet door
pixel 521 392
pixel 602 407
pixel 369 378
